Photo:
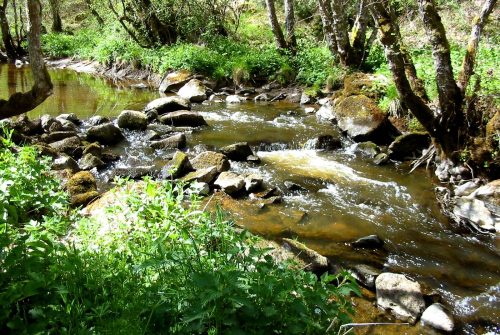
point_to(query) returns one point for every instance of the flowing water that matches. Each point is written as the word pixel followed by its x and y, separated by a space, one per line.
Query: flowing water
pixel 347 196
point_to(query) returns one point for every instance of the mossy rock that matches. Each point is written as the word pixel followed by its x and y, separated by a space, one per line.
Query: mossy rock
pixel 80 183
pixel 493 129
pixel 80 200
pixel 370 85
pixel 360 117
pixel 409 146
pixel 177 167
pixel 93 148
pixel 210 158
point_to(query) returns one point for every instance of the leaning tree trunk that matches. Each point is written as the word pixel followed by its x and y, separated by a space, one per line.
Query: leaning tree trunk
pixel 56 16
pixel 20 103
pixel 470 55
pixel 275 26
pixel 291 41
pixel 10 48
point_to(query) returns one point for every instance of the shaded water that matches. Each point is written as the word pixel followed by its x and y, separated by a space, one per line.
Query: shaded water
pixel 347 196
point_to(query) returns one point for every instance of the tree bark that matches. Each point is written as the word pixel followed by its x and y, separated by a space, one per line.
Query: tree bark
pixel 470 54
pixel 98 18
pixel 340 30
pixel 275 26
pixel 56 16
pixel 291 41
pixel 20 103
pixel 10 48
pixel 325 13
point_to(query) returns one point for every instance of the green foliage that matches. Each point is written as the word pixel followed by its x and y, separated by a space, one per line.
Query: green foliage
pixel 314 63
pixel 151 263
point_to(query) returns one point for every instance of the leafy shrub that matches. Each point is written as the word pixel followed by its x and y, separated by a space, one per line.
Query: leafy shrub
pixel 314 63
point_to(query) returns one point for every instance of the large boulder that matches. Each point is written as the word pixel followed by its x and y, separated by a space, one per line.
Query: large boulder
pixel 194 91
pixel 107 134
pixel 230 182
pixel 183 119
pixel 70 145
pixel 208 159
pixel 371 85
pixel 362 120
pixel 133 120
pixel 174 81
pixel 177 167
pixel 400 295
pixel 82 188
pixel 480 209
pixel 437 316
pixel 409 146
pixel 323 142
pixel 237 152
pixel 168 105
pixel 177 141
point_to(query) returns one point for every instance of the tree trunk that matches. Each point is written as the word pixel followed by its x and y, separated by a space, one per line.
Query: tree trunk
pixel 325 13
pixel 340 30
pixel 470 55
pixel 275 26
pixel 291 41
pixel 20 103
pixel 98 18
pixel 10 48
pixel 161 33
pixel 56 17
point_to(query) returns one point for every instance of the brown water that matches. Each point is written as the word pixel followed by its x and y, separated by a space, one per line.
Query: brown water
pixel 347 198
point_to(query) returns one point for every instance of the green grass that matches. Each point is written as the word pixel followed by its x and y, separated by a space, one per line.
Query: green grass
pixel 150 263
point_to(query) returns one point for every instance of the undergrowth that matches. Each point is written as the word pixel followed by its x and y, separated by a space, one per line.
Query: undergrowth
pixel 151 263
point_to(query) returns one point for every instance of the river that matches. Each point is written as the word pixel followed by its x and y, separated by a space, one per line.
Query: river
pixel 346 196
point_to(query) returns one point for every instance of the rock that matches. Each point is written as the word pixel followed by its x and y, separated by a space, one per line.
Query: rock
pixel 64 162
pixel 177 167
pixel 94 149
pixel 206 175
pixel 442 169
pixel 369 149
pixel 368 242
pixel 306 99
pixel 71 117
pixel 208 159
pixel 68 125
pixel 381 159
pixel 25 126
pixel 266 194
pixel 233 99
pixel 400 295
pixel 107 134
pixel 253 159
pixel 57 136
pixel 326 113
pixel 438 317
pixel 409 146
pixel 277 199
pixel 90 161
pixel 481 208
pixel 253 182
pixel 193 91
pixel 315 262
pixel 134 172
pixel 246 90
pixel 82 188
pixel 139 86
pixel 183 119
pixel 198 188
pixel 47 121
pixel 237 152
pixel 168 105
pixel 309 110
pixel 152 115
pixel 70 145
pixel 362 120
pixel 177 141
pixel 365 274
pixel 108 156
pixel 132 120
pixel 262 97
pixel 152 135
pixel 97 120
pixel 230 182
pixel 174 81
pixel 45 150
pixel 371 85
pixel 323 142
pixel 56 126
pixel 466 188
pixel 294 187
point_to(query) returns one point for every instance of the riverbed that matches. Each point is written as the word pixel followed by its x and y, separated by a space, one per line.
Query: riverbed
pixel 344 197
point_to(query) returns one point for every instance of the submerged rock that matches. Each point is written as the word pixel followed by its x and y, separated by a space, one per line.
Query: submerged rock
pixel 177 141
pixel 368 242
pixel 368 148
pixel 193 91
pixel 167 105
pixel 365 274
pixel 183 119
pixel 409 146
pixel 437 316
pixel 323 142
pixel 133 120
pixel 237 152
pixel 230 182
pixel 174 81
pixel 210 158
pixel 381 159
pixel 107 134
pixel 177 167
pixel 233 99
pixel 294 187
pixel 315 262
pixel 400 295
pixel 362 120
